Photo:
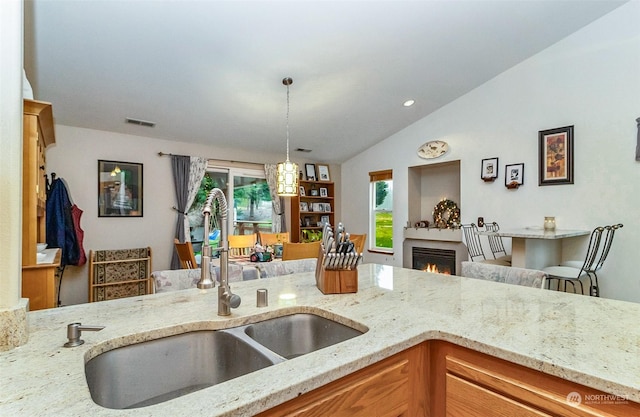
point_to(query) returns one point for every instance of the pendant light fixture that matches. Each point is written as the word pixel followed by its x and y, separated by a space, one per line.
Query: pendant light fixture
pixel 287 171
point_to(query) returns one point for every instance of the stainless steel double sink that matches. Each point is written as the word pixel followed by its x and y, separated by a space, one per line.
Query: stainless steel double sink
pixel 158 370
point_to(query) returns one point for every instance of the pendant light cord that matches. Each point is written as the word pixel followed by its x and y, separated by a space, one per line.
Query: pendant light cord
pixel 287 122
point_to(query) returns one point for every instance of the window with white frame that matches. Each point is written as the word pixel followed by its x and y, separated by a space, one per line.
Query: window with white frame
pixel 381 211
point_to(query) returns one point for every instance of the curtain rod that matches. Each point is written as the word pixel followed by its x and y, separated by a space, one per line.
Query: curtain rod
pixel 213 159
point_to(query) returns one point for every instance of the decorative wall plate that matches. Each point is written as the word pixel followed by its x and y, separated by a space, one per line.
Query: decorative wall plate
pixel 433 149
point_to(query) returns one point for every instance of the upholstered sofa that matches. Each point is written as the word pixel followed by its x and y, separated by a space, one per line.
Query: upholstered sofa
pixel 182 279
pixel 506 274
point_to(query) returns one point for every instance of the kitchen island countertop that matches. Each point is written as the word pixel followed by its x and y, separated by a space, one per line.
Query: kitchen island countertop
pixel 591 341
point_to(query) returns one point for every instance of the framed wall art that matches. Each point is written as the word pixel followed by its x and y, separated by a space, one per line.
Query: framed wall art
pixel 489 170
pixel 323 173
pixel 555 156
pixel 119 189
pixel 310 170
pixel 513 175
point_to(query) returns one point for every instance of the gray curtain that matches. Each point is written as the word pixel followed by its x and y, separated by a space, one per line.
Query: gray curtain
pixel 278 221
pixel 187 176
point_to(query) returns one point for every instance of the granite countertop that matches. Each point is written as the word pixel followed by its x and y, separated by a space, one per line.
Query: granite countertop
pixel 592 341
pixel 540 233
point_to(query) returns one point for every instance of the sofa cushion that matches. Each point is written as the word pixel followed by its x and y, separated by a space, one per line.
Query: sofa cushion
pixel 505 274
pixel 277 268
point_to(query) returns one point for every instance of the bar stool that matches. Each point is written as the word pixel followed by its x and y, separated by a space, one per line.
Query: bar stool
pixel 572 274
pixel 474 246
pixel 604 252
pixel 495 242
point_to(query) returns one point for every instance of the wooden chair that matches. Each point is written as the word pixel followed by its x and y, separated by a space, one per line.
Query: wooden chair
pixel 358 242
pixel 300 250
pixel 185 254
pixel 241 245
pixel 268 239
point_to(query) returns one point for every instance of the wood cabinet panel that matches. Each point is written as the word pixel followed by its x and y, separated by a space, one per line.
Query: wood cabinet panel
pixel 38 280
pixel 465 399
pixel 391 388
pixel 484 379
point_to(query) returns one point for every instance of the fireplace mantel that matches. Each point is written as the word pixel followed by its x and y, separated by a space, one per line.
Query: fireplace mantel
pixel 443 235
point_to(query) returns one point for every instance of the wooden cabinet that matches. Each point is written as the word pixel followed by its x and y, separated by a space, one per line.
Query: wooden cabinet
pixel 309 210
pixel 468 383
pixel 438 379
pixel 390 388
pixel 38 133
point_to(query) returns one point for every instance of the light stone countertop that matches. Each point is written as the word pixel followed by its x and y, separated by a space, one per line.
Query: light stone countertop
pixel 592 341
pixel 539 233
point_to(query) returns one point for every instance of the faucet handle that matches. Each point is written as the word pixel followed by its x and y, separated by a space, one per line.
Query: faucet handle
pixel 74 330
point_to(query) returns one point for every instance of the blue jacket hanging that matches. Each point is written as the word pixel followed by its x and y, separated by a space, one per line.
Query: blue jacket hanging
pixel 60 226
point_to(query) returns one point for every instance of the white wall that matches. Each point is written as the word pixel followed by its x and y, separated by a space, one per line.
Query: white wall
pixel 75 157
pixel 590 80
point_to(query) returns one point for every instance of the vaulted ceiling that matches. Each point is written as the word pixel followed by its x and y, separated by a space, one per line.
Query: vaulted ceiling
pixel 211 71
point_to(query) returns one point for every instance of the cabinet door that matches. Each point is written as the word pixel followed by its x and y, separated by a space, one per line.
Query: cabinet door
pixel 465 399
pixel 391 388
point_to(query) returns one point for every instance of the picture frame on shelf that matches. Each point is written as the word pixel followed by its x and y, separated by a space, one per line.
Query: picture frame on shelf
pixel 318 207
pixel 302 192
pixel 326 207
pixel 307 221
pixel 323 173
pixel 513 175
pixel 314 192
pixel 324 220
pixel 324 192
pixel 310 170
pixel 119 189
pixel 555 156
pixel 489 169
pixel 304 206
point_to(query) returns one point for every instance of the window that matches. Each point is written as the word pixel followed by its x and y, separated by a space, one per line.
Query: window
pixel 250 207
pixel 381 211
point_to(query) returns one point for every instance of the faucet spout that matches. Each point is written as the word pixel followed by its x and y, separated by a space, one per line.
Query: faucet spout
pixel 226 299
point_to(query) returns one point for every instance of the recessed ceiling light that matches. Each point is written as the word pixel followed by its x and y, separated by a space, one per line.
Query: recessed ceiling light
pixel 408 103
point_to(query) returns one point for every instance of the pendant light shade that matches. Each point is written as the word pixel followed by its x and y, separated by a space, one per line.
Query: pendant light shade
pixel 287 180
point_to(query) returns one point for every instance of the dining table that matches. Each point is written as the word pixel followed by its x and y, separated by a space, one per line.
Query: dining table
pixel 537 248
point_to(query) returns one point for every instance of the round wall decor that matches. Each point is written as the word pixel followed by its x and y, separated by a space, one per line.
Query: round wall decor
pixel 433 149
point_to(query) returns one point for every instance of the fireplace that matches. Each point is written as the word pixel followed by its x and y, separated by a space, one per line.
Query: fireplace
pixel 442 261
pixel 445 243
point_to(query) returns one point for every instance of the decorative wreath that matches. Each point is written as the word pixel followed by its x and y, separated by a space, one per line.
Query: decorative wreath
pixel 446 214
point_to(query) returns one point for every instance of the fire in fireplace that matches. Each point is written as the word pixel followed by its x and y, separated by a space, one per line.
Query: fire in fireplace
pixel 442 261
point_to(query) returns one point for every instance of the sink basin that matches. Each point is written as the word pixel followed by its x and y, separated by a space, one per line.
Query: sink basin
pixel 298 334
pixel 159 370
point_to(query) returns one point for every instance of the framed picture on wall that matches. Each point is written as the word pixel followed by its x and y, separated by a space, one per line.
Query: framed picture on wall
pixel 489 169
pixel 555 156
pixel 514 175
pixel 119 189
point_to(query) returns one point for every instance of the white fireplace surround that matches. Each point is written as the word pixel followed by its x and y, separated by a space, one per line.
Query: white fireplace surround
pixel 435 239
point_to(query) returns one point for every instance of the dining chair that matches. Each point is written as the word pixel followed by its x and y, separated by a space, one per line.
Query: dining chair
pixel 358 242
pixel 186 255
pixel 242 245
pixel 603 253
pixel 300 250
pixel 573 274
pixel 474 246
pixel 268 239
pixel 495 242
